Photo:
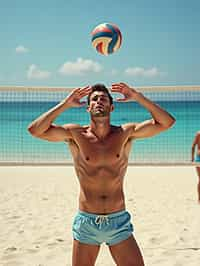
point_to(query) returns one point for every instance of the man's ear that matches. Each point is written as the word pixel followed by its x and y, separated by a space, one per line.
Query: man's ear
pixel 112 107
pixel 88 108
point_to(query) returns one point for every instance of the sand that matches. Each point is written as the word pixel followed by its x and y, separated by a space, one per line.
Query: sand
pixel 37 206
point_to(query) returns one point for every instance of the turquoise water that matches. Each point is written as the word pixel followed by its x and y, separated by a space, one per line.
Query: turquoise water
pixel 172 146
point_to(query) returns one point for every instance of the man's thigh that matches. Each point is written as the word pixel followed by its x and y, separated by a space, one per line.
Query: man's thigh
pixel 127 253
pixel 84 254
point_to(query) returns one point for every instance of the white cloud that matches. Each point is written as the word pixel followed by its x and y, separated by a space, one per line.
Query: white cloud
pixel 141 72
pixel 35 73
pixel 79 67
pixel 114 72
pixel 21 49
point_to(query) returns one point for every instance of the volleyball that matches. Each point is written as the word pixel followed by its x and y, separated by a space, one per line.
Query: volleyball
pixel 106 38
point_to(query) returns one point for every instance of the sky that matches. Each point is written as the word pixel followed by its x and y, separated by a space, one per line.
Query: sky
pixel 48 43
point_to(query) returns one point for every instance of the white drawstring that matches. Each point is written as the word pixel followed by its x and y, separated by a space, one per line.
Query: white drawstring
pixel 100 219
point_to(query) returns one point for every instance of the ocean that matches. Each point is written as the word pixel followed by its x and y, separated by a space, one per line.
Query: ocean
pixel 170 147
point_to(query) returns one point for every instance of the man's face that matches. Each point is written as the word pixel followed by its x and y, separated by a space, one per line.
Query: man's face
pixel 100 104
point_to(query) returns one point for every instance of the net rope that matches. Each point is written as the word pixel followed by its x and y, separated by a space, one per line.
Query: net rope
pixel 21 105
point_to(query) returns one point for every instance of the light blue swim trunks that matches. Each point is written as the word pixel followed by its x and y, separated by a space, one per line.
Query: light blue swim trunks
pixel 96 229
pixel 197 159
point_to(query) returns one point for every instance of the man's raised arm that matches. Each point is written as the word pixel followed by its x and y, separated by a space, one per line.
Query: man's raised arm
pixel 161 119
pixel 42 127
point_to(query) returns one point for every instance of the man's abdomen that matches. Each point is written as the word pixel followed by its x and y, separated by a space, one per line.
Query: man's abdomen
pixel 102 202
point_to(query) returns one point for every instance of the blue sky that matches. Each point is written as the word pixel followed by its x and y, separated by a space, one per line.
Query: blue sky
pixel 161 42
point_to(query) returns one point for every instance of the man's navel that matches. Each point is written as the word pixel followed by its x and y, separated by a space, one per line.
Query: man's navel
pixel 103 197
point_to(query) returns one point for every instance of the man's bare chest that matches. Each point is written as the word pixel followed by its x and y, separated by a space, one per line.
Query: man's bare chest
pixel 101 151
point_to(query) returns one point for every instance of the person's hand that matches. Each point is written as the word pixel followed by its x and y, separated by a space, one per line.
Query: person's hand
pixel 130 94
pixel 73 99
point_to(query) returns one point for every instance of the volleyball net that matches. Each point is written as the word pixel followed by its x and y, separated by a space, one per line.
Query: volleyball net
pixel 19 106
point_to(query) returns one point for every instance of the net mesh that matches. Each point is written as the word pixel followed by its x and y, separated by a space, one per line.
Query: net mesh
pixel 19 106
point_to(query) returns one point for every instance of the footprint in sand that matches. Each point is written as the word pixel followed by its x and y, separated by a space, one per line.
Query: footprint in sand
pixel 10 249
pixel 10 253
pixel 33 250
pixel 52 244
pixel 59 239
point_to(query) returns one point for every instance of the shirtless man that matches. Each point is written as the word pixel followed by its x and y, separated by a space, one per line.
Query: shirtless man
pixel 196 143
pixel 100 152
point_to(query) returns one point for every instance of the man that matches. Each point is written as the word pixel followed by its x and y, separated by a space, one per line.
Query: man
pixel 196 143
pixel 100 153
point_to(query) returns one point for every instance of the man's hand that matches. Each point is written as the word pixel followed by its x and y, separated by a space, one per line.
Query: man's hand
pixel 73 99
pixel 130 94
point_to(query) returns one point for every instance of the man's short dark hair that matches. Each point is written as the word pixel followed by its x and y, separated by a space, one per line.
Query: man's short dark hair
pixel 100 87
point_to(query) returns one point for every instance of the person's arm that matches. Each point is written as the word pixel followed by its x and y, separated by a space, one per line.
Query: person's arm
pixel 43 126
pixel 161 120
pixel 193 147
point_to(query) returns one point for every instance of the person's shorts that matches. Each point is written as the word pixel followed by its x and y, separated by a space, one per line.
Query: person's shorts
pixel 96 229
pixel 197 159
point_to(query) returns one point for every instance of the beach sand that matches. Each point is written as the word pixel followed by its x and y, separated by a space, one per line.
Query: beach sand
pixel 37 206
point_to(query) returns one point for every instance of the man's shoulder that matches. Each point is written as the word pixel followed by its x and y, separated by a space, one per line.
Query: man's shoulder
pixel 126 129
pixel 197 138
pixel 197 134
pixel 129 125
pixel 72 127
pixel 75 127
